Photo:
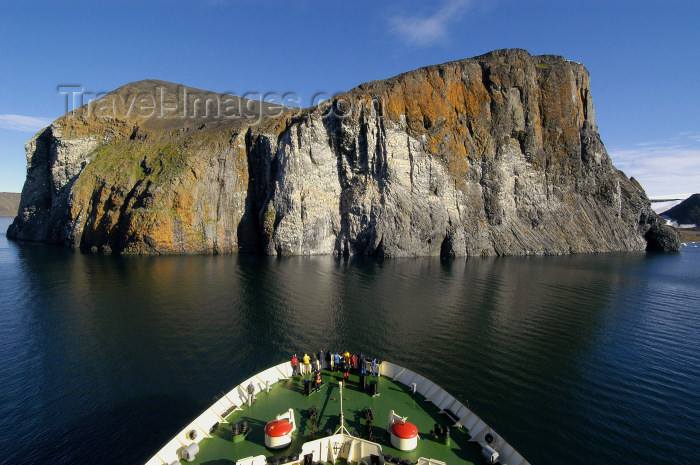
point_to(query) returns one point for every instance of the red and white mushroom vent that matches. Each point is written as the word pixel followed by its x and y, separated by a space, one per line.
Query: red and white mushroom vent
pixel 404 435
pixel 278 432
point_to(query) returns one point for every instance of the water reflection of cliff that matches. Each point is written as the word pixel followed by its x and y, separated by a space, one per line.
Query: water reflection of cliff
pixel 517 337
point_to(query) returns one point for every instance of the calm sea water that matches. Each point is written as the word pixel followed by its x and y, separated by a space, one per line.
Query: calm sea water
pixel 589 359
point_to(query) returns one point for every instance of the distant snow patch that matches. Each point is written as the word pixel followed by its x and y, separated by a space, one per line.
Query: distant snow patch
pixel 660 207
pixel 662 203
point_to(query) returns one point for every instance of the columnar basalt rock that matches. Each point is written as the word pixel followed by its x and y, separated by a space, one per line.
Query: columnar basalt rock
pixel 493 155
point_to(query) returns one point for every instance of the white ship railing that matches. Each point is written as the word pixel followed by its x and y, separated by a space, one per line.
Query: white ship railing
pixel 463 416
pixel 237 398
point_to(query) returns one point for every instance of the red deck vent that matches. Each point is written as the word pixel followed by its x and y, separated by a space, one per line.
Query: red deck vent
pixel 404 430
pixel 278 428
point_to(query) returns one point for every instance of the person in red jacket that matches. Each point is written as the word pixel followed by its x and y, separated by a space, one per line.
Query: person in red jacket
pixel 295 365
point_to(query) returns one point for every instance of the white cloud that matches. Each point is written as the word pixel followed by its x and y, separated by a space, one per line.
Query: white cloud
pixel 662 168
pixel 427 30
pixel 23 123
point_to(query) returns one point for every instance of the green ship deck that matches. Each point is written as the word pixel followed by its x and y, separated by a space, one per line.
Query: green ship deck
pixel 288 393
pixel 209 439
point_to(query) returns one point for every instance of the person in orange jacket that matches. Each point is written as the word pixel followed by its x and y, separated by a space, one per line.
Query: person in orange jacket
pixel 346 371
pixel 318 380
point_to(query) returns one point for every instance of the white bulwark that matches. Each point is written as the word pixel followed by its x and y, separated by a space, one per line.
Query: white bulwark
pixel 340 445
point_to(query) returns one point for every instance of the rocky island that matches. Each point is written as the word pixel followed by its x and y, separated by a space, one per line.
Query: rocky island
pixel 493 155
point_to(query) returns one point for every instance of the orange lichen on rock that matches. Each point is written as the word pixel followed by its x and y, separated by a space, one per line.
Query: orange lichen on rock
pixel 559 112
pixel 490 155
pixel 160 233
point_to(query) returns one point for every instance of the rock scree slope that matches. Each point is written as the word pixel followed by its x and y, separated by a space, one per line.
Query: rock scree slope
pixel 493 155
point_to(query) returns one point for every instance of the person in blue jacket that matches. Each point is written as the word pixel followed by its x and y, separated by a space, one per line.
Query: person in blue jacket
pixel 336 361
pixel 374 367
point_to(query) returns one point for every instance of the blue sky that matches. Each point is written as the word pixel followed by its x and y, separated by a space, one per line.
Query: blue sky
pixel 644 58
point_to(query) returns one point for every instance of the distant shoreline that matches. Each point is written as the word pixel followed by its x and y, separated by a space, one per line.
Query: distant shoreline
pixel 689 234
pixel 9 204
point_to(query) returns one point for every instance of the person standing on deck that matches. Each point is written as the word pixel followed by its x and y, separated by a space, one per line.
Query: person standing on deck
pixel 251 391
pixel 346 371
pixel 336 361
pixel 295 365
pixel 307 364
pixel 318 380
pixel 374 367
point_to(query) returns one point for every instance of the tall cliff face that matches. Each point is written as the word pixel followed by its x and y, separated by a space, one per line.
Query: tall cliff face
pixel 494 155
